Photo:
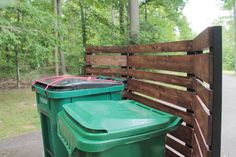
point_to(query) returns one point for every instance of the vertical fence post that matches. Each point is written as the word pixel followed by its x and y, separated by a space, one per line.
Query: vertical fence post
pixel 216 51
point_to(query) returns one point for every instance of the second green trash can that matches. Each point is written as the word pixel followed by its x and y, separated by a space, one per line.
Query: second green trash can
pixel 110 128
pixel 53 92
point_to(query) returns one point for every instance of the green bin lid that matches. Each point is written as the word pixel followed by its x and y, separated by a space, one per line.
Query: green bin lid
pixel 113 120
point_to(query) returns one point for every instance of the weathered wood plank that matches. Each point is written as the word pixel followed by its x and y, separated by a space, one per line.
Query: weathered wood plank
pixel 205 94
pixel 106 49
pixel 165 78
pixel 106 60
pixel 202 67
pixel 174 96
pixel 187 117
pixel 196 148
pixel 178 46
pixel 202 143
pixel 169 153
pixel 181 63
pixel 183 133
pixel 106 71
pixel 204 120
pixel 203 40
pixel 183 149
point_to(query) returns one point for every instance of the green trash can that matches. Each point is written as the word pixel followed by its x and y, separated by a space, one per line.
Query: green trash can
pixel 111 128
pixel 53 92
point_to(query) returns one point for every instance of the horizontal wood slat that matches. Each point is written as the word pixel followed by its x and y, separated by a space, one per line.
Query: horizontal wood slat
pixel 179 147
pixel 179 63
pixel 203 147
pixel 196 147
pixel 165 78
pixel 106 49
pixel 106 60
pixel 174 96
pixel 203 118
pixel 204 93
pixel 183 133
pixel 203 40
pixel 106 71
pixel 169 153
pixel 187 117
pixel 202 68
pixel 178 46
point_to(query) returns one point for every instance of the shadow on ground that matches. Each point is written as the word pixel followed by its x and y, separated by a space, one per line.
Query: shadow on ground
pixel 30 145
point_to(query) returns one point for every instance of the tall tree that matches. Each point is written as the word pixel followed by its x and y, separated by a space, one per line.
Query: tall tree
pixel 113 19
pixel 234 6
pixel 231 5
pixel 133 20
pixel 56 36
pixel 58 11
pixel 121 17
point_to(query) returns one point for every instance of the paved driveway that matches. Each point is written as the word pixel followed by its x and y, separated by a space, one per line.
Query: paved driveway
pixel 229 117
pixel 30 145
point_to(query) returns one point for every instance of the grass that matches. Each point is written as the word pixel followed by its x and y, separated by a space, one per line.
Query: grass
pixel 18 113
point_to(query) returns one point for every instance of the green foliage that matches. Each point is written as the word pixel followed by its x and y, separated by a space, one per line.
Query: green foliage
pixel 29 29
pixel 228 46
pixel 228 37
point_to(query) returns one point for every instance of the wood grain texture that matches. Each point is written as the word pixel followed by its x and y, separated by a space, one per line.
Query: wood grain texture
pixel 203 118
pixel 204 93
pixel 106 60
pixel 185 150
pixel 178 46
pixel 187 117
pixel 196 147
pixel 165 78
pixel 169 153
pixel 183 133
pixel 106 49
pixel 203 40
pixel 106 71
pixel 174 96
pixel 202 143
pixel 181 63
pixel 202 67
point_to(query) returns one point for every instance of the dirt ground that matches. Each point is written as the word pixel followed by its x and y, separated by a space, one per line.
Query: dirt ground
pixel 30 145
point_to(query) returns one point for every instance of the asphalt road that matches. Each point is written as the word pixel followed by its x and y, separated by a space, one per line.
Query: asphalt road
pixel 229 117
pixel 30 145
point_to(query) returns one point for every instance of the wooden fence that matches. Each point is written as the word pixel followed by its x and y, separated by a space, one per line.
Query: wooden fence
pixel 182 78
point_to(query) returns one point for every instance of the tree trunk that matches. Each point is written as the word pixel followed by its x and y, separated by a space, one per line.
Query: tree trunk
pixel 83 23
pixel 17 67
pixel 84 33
pixel 121 17
pixel 60 51
pixel 113 20
pixel 235 36
pixel 17 56
pixel 56 36
pixel 145 11
pixel 62 57
pixel 134 21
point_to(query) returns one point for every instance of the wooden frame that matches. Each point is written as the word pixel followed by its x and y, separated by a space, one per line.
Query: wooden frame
pixel 182 78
